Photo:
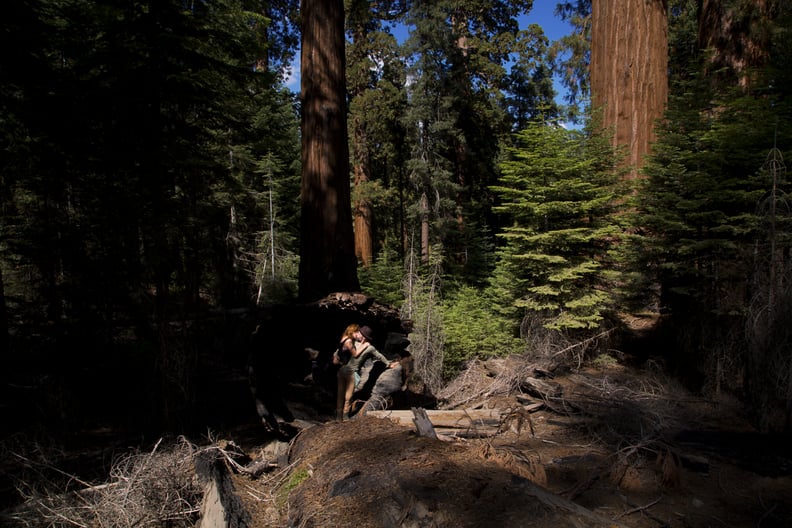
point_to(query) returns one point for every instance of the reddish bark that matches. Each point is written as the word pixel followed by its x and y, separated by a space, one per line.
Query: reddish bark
pixel 737 36
pixel 327 253
pixel 629 78
pixel 364 219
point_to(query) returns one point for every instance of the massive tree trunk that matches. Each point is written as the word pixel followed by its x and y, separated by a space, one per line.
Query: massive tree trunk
pixel 629 78
pixel 737 35
pixel 327 252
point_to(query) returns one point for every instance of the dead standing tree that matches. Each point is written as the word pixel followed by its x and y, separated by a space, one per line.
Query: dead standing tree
pixel 769 330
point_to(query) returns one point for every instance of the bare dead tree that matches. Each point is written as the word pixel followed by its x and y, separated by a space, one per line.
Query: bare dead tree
pixel 768 361
pixel 422 299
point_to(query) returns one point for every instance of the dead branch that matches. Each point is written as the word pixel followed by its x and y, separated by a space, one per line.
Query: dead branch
pixel 485 379
pixel 644 511
pixel 639 508
pixel 583 343
pixel 154 488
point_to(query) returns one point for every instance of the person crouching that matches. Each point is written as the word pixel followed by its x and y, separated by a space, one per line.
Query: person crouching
pixel 349 373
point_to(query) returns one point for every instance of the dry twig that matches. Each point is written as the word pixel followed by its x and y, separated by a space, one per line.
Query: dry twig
pixel 153 488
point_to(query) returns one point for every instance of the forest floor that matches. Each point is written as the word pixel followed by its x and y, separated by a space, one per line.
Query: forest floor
pixel 614 446
pixel 603 445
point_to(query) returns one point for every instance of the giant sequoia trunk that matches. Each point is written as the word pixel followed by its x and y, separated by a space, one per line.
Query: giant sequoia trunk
pixel 629 79
pixel 327 252
pixel 736 35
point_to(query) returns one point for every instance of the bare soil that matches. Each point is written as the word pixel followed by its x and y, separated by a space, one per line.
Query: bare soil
pixel 618 447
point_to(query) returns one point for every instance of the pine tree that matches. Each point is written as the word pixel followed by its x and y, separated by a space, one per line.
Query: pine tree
pixel 530 93
pixel 117 209
pixel 571 55
pixel 702 210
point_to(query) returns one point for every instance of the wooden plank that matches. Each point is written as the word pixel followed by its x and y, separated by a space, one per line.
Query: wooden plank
pixel 467 423
pixel 440 417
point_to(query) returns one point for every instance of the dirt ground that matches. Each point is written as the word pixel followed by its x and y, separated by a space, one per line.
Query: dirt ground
pixel 614 447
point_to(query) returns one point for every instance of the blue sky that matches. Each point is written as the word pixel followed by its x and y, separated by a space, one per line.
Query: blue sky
pixel 542 14
pixel 554 28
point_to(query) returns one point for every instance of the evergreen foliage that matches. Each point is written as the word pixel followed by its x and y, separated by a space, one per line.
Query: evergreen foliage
pixel 571 55
pixel 474 330
pixel 376 80
pixel 130 161
pixel 558 188
pixel 530 92
pixel 716 221
pixel 383 279
pixel 455 119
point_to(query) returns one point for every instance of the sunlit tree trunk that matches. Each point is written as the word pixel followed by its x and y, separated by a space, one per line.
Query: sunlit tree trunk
pixel 364 219
pixel 629 78
pixel 362 211
pixel 327 252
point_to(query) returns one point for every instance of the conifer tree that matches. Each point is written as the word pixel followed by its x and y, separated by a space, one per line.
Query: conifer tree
pixel 118 208
pixel 458 51
pixel 703 209
pixel 571 55
pixel 375 79
pixel 530 93
pixel 558 190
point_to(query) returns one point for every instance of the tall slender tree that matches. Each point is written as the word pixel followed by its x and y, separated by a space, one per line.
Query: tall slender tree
pixel 375 80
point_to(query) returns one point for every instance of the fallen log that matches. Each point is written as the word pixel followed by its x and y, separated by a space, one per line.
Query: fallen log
pixel 441 418
pixel 221 506
pixel 541 388
pixel 466 423
pixel 455 418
